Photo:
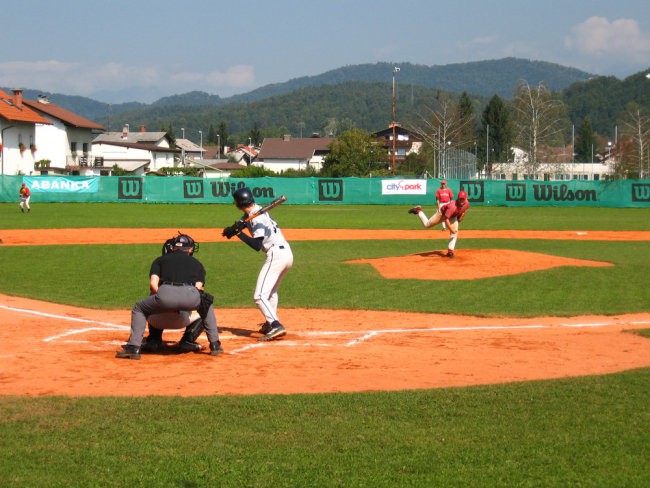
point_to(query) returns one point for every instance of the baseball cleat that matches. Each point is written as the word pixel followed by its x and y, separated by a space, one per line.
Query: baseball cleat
pixel 128 352
pixel 189 346
pixel 450 254
pixel 215 348
pixel 277 331
pixel 415 210
pixel 266 328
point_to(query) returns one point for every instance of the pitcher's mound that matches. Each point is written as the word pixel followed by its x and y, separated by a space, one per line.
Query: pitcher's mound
pixel 469 264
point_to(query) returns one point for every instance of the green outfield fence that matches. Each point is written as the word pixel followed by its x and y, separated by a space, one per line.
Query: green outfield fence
pixel 375 191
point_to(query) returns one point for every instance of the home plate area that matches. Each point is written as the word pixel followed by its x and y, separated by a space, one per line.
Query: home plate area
pixel 51 349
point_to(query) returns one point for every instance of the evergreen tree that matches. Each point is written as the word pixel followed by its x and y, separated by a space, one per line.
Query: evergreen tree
pixel 212 135
pixel 496 133
pixel 585 142
pixel 467 118
pixel 222 133
pixel 256 135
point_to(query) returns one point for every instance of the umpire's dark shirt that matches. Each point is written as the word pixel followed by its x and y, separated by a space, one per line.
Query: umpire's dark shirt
pixel 178 267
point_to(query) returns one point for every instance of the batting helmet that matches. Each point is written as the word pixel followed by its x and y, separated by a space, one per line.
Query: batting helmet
pixel 184 243
pixel 462 194
pixel 243 197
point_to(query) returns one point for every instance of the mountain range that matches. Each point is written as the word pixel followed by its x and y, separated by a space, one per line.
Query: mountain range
pixel 358 95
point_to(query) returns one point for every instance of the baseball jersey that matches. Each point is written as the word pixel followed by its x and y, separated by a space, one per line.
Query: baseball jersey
pixel 24 192
pixel 452 210
pixel 444 195
pixel 264 226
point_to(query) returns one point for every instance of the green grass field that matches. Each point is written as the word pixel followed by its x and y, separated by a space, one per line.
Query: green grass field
pixel 589 431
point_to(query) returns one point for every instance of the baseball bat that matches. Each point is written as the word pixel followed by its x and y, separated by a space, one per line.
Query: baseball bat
pixel 266 208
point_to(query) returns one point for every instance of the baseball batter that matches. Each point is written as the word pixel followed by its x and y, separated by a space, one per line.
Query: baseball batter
pixel 264 235
pixel 444 195
pixel 451 214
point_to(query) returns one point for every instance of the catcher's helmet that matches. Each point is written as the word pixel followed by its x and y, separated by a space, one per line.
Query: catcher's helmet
pixel 243 197
pixel 462 194
pixel 168 246
pixel 184 243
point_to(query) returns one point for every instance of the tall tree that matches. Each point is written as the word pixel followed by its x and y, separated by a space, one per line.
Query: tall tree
pixel 222 135
pixel 212 135
pixel 353 153
pixel 496 134
pixel 636 125
pixel 468 120
pixel 255 134
pixel 444 130
pixel 585 142
pixel 539 118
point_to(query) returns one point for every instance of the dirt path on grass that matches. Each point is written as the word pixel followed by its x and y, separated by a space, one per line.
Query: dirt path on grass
pixel 53 349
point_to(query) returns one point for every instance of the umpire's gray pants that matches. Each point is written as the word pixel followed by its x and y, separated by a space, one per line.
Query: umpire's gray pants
pixel 169 299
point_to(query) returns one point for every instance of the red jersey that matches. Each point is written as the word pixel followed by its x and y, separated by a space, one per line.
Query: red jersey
pixel 24 191
pixel 444 195
pixel 452 210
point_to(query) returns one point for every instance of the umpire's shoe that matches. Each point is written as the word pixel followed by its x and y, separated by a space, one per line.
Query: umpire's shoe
pixel 153 342
pixel 415 210
pixel 128 352
pixel 277 331
pixel 215 348
pixel 186 345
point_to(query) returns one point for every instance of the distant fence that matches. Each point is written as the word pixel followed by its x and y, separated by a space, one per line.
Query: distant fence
pixel 375 191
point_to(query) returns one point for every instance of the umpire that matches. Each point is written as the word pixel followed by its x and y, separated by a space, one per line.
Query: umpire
pixel 176 280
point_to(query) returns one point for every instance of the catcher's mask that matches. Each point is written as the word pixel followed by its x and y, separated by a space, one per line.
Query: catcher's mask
pixel 184 243
pixel 243 197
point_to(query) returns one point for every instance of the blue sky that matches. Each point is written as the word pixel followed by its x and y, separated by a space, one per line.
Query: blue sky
pixel 118 51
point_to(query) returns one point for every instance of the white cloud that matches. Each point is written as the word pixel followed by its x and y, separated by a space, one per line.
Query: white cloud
pixel 598 37
pixel 77 79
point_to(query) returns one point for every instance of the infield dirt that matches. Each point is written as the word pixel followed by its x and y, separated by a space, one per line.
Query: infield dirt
pixel 70 350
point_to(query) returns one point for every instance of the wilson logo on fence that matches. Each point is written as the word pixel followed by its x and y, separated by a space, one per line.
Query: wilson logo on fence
pixel 129 188
pixel 193 189
pixel 475 190
pixel 641 192
pixel 562 193
pixel 330 190
pixel 515 192
pixel 225 189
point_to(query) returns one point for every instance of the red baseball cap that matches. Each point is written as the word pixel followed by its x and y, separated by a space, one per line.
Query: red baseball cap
pixel 462 194
pixel 443 182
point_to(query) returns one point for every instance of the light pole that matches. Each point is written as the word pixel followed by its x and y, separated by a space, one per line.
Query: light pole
pixel 183 147
pixel 487 149
pixel 395 71
pixel 218 146
pixel 201 134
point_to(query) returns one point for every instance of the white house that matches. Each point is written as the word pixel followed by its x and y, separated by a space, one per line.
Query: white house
pixel 136 152
pixel 18 129
pixel 556 165
pixel 65 141
pixel 281 153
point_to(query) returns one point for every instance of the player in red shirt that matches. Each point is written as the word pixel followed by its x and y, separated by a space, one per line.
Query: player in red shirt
pixel 444 195
pixel 451 214
pixel 24 196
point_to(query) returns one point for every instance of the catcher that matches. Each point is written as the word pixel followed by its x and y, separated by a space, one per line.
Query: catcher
pixel 176 281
